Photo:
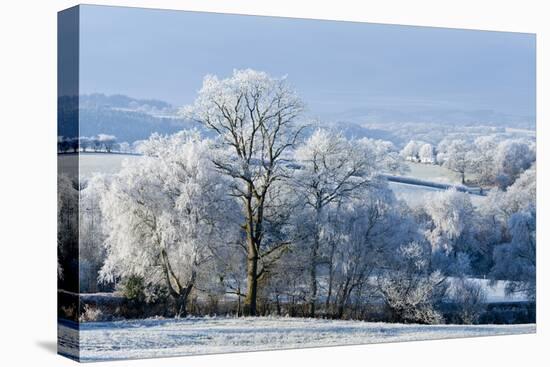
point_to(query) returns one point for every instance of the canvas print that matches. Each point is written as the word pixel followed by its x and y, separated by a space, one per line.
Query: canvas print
pixel 231 183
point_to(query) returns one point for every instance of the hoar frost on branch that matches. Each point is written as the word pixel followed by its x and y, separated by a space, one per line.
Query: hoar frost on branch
pixel 163 215
pixel 255 119
pixel 362 235
pixel 331 170
pixel 515 212
pixel 91 235
pixel 410 289
pixel 258 213
pixel 453 217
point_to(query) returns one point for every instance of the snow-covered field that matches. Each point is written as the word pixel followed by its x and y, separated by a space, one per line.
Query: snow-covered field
pixel 91 163
pixel 415 195
pixel 163 338
pixel 432 172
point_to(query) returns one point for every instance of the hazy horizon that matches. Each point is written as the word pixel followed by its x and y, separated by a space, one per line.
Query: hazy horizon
pixel 337 67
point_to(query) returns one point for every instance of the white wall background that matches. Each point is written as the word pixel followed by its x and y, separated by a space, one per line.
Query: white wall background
pixel 28 180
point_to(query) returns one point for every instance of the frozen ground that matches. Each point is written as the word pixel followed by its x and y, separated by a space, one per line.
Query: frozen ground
pixel 163 338
pixel 414 195
pixel 432 172
pixel 91 163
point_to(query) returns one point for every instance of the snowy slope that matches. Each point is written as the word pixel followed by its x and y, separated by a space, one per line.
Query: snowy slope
pixel 163 338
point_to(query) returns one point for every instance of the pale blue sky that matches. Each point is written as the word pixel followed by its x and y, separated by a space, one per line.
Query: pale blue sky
pixel 335 66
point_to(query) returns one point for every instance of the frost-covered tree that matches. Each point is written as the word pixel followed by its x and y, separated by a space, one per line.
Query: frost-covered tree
pixel 85 143
pixel 426 153
pixel 361 233
pixel 441 155
pixel 286 286
pixel 230 268
pixel 516 261
pixel 96 144
pixel 411 150
pixel 520 196
pixel 451 227
pixel 470 297
pixel 107 141
pixel 381 154
pixel 164 214
pixel 482 159
pixel 124 147
pixel 409 288
pixel 513 211
pixel 91 236
pixel 512 157
pixel 331 170
pixel 456 158
pixel 255 119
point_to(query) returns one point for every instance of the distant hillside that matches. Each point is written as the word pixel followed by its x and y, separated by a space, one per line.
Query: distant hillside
pixel 440 116
pixel 127 118
pixel 131 119
pixel 125 103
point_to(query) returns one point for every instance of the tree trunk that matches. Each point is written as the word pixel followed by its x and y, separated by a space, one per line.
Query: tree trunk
pixel 251 280
pixel 181 310
pixel 330 279
pixel 239 311
pixel 344 298
pixel 176 290
pixel 314 260
pixel 253 235
pixel 313 280
pixel 340 313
